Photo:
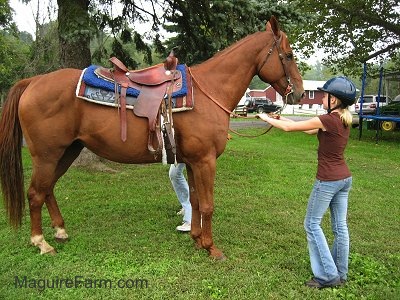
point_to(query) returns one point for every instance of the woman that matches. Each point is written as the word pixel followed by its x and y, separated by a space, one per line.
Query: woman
pixel 181 189
pixel 333 182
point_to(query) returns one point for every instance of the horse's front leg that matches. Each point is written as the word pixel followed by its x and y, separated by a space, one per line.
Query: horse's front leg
pixel 195 231
pixel 204 176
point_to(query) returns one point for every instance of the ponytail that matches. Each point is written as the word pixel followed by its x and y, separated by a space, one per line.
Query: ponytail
pixel 346 117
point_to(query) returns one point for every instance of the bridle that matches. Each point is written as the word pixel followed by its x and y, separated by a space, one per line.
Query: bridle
pixel 277 44
pixel 288 91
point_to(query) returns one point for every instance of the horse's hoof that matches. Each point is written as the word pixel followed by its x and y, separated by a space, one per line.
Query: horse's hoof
pixel 60 240
pixel 61 235
pixel 220 257
pixel 217 254
pixel 51 252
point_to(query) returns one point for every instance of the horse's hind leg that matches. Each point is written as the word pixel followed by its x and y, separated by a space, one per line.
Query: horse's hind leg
pixel 57 221
pixel 46 172
pixel 40 188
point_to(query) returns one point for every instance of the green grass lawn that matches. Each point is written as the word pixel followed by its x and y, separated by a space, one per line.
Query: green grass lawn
pixel 122 229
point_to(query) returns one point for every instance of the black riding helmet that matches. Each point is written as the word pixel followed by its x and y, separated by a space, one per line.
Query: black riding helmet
pixel 342 88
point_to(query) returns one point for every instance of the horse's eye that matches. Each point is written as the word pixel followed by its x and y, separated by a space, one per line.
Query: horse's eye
pixel 289 56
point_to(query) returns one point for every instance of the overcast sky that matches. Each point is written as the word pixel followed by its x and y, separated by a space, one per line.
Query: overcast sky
pixel 24 14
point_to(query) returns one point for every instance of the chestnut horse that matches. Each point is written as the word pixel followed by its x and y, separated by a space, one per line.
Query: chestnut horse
pixel 57 125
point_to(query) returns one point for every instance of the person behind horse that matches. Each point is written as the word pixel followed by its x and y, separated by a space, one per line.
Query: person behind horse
pixel 332 185
pixel 181 189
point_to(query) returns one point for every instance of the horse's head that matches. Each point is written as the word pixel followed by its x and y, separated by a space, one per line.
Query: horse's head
pixel 278 66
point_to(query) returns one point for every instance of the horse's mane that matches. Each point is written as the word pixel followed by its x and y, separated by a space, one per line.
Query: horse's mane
pixel 238 44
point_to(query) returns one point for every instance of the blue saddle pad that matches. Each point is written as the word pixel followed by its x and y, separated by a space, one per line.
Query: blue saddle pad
pixel 92 79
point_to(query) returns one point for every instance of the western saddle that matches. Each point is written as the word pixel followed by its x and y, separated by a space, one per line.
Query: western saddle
pixel 155 84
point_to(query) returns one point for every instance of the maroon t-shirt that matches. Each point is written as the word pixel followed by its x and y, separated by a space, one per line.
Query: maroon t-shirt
pixel 332 142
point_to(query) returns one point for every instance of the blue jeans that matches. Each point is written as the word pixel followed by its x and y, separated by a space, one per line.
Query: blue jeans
pixel 328 265
pixel 181 188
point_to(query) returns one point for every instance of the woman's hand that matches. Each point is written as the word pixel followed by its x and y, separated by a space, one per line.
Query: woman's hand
pixel 266 117
pixel 263 117
pixel 309 126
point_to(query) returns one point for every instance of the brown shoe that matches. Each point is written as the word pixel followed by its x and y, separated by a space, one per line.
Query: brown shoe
pixel 313 283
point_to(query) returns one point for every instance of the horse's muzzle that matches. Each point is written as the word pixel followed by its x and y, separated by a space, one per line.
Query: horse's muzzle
pixel 294 97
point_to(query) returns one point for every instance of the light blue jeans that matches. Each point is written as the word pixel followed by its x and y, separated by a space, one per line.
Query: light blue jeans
pixel 328 265
pixel 181 188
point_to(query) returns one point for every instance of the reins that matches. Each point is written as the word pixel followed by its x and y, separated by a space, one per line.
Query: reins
pixel 224 108
pixel 250 136
pixel 208 94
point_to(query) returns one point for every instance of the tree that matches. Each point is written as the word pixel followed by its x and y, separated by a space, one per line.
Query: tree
pixel 318 71
pixel 351 31
pixel 121 25
pixel 44 50
pixel 14 51
pixel 201 27
pixel 204 27
pixel 14 56
pixel 74 33
pixel 5 14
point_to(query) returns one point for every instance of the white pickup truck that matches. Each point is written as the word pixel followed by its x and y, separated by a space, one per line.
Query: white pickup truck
pixel 370 103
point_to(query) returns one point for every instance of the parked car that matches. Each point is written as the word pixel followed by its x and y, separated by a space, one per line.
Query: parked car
pixel 261 105
pixel 240 110
pixel 370 103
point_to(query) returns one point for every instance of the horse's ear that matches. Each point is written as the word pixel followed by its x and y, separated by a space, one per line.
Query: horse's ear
pixel 274 25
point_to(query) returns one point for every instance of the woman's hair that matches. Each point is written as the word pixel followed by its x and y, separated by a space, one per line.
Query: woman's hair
pixel 346 117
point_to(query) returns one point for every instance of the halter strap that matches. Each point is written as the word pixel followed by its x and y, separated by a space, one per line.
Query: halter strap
pixel 277 44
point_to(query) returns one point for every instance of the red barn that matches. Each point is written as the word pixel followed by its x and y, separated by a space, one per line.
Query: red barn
pixel 313 95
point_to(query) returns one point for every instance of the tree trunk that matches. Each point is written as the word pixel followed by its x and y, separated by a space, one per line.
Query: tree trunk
pixel 74 33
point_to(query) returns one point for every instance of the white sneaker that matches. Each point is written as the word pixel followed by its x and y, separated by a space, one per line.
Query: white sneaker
pixel 181 212
pixel 185 227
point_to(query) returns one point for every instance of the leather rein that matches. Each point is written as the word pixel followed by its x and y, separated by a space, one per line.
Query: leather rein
pixel 288 91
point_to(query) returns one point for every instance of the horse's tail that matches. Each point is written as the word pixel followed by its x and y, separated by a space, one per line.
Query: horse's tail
pixel 11 171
